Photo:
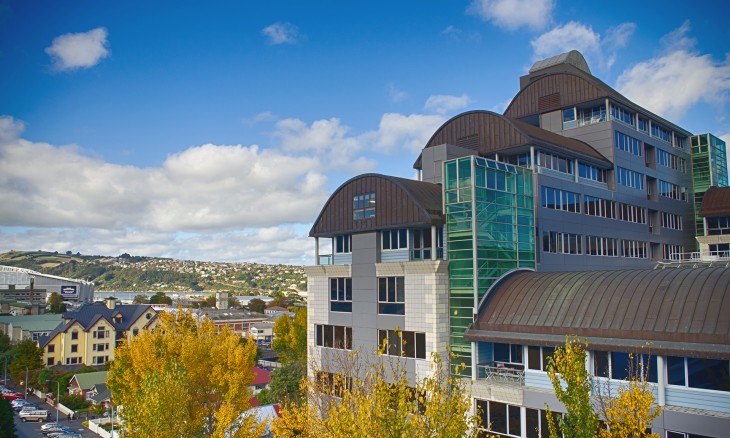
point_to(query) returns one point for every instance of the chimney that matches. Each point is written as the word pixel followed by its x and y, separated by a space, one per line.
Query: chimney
pixel 110 302
pixel 221 300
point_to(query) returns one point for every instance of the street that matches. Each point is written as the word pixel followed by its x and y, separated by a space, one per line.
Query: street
pixel 32 429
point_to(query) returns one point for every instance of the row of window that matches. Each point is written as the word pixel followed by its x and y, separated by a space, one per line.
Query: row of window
pixel 99 347
pixel 555 162
pixel 99 360
pixel 629 178
pixel 623 115
pixel 564 200
pixel 719 225
pixel 672 191
pixel 713 374
pixel 391 295
pixel 333 336
pixel 671 161
pixel 628 143
pixel 402 343
pixel 671 221
pixel 592 173
pixel 570 243
pixel 397 240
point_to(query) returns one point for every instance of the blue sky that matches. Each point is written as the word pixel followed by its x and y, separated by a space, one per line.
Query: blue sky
pixel 217 130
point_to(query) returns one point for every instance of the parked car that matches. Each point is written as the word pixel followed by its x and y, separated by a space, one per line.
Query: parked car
pixel 33 415
pixel 69 434
pixel 56 429
pixel 48 426
pixel 25 406
pixel 11 395
pixel 18 402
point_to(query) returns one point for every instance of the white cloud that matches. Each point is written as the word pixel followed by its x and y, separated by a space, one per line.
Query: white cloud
pixel 680 77
pixel 457 34
pixel 598 51
pixel 398 132
pixel 441 104
pixel 395 94
pixel 570 36
pixel 513 14
pixel 79 50
pixel 203 188
pixel 281 33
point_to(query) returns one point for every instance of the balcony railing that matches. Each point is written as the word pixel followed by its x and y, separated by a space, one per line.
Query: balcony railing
pixel 502 372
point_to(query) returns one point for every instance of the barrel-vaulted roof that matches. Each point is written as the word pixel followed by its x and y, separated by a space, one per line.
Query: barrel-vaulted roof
pixel 716 202
pixel 399 202
pixel 682 312
pixel 486 133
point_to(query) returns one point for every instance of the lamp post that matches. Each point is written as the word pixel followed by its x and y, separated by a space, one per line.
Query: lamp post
pixel 25 387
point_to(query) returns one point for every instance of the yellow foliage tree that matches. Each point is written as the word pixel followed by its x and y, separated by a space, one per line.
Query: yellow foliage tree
pixel 381 403
pixel 184 379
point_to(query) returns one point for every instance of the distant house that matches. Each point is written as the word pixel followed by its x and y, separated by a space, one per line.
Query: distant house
pixel 33 327
pixel 90 335
pixel 262 332
pixel 261 379
pixel 274 310
pixel 239 321
pixel 85 383
pixel 100 395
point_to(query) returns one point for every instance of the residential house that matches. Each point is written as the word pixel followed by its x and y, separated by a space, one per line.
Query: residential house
pixel 84 383
pixel 90 335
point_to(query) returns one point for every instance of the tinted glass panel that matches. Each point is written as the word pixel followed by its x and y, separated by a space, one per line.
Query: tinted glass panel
pixel 533 358
pixel 600 363
pixel 498 416
pixel 675 370
pixel 708 374
pixel 620 366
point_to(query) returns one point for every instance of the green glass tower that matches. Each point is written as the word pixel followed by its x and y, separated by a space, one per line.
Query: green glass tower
pixel 490 223
pixel 709 168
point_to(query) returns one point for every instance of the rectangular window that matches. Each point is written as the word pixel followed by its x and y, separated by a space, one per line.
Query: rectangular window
pixel 554 162
pixel 601 246
pixel 402 343
pixel 671 161
pixel 661 133
pixel 74 335
pixel 74 348
pixel 673 252
pixel 631 213
pixel 395 239
pixel 643 125
pixel 599 207
pixel 671 221
pixel 562 243
pixel 539 357
pixel 629 178
pixel 556 199
pixel 363 206
pixel 391 296
pixel 341 294
pixel 718 225
pixel 627 143
pixel 49 362
pixel 672 191
pixel 508 353
pixel 592 173
pixel 51 348
pixel 622 115
pixel 343 244
pixel 588 116
pixel 423 241
pixel 502 418
pixel 635 249
pixel 333 336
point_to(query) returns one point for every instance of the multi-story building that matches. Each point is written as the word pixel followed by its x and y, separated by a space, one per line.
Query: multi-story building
pixel 90 335
pixel 32 286
pixel 572 177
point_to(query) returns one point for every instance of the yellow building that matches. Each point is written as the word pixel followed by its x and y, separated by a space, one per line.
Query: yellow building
pixel 90 335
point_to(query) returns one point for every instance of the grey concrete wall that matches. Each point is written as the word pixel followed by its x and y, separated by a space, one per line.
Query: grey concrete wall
pixel 432 160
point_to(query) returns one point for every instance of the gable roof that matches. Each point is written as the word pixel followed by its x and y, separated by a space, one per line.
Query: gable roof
pixel 86 381
pixel 260 376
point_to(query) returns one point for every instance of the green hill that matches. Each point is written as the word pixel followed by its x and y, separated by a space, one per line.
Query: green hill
pixel 134 273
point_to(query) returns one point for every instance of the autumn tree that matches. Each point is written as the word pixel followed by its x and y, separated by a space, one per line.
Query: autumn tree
pixel 184 379
pixel 290 336
pixel 380 402
pixel 25 355
pixel 628 410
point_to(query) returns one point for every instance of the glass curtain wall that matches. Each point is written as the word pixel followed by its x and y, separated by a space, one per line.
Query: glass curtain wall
pixel 709 168
pixel 490 220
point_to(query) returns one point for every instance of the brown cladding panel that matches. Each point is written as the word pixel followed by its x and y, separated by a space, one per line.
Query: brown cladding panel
pixel 572 90
pixel 395 206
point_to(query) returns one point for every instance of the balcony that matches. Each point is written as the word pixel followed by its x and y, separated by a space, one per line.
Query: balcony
pixel 502 372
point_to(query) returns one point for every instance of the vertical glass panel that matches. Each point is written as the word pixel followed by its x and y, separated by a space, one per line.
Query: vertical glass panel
pixel 600 363
pixel 515 422
pixel 420 345
pixel 533 358
pixel 409 344
pixel 675 370
pixel 708 374
pixel 498 416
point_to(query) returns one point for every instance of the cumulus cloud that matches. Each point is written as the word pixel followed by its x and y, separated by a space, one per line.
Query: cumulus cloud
pixel 79 50
pixel 400 132
pixel 203 188
pixel 514 14
pixel 395 94
pixel 578 36
pixel 281 33
pixel 441 103
pixel 691 76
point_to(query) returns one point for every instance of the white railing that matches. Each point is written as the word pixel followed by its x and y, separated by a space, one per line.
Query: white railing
pixel 500 372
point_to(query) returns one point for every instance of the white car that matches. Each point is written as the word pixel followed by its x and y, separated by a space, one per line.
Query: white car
pixel 33 415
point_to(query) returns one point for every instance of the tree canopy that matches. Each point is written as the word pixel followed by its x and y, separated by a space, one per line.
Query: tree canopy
pixel 160 298
pixel 184 379
pixel 55 303
pixel 257 305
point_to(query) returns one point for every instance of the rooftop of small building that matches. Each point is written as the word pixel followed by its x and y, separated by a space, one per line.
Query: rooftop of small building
pixel 716 202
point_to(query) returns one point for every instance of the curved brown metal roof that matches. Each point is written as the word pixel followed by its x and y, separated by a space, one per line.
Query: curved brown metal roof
pixel 399 202
pixel 553 88
pixel 716 202
pixel 680 311
pixel 487 132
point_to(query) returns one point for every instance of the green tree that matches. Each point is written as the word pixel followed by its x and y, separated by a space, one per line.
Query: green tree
pixel 208 301
pixel 184 379
pixel 257 305
pixel 4 343
pixel 7 425
pixel 160 298
pixel 286 382
pixel 141 299
pixel 55 302
pixel 25 355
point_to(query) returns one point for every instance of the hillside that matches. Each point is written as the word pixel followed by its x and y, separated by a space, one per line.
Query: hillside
pixel 134 273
